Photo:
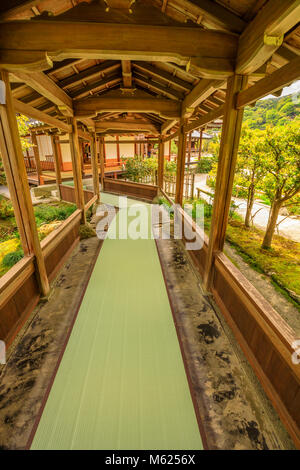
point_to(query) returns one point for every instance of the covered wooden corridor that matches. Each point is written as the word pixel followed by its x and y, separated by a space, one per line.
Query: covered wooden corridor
pixel 97 69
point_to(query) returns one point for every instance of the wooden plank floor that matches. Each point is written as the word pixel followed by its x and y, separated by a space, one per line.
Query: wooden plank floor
pixel 121 383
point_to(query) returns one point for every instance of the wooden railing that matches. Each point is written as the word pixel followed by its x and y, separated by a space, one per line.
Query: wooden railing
pixel 264 336
pixel 19 290
pixel 139 190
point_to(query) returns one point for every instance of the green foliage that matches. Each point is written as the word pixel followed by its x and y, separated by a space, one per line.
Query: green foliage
pixel 137 168
pixel 281 263
pixel 281 162
pixel 6 209
pixel 86 231
pixel 12 258
pixel 174 147
pixel 47 213
pixel 23 126
pixel 205 165
pixel 273 111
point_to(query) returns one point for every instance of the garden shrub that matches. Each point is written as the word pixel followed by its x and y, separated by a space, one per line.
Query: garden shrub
pixel 10 259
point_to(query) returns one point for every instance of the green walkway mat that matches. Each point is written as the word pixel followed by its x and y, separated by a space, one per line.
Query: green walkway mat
pixel 121 383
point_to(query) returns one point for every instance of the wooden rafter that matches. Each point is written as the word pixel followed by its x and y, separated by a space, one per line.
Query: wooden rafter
pixel 91 72
pixel 270 84
pixel 210 14
pixel 34 113
pixel 163 75
pixel 265 33
pixel 92 87
pixel 200 92
pixel 158 87
pixel 46 87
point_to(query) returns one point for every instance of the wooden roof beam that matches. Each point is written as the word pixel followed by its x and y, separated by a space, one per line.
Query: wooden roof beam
pixel 125 124
pixel 212 15
pixel 126 73
pixel 265 33
pixel 270 84
pixel 39 82
pixel 90 107
pixel 168 125
pixel 34 113
pixel 115 41
pixel 206 119
pixel 199 93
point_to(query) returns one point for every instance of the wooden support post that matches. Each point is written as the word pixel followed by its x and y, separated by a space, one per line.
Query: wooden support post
pixel 231 130
pixel 76 163
pixel 94 161
pixel 102 166
pixel 180 163
pixel 190 146
pixel 161 164
pixel 81 151
pixel 143 150
pixel 37 158
pixel 14 165
pixel 170 150
pixel 200 145
pixel 104 151
pixel 118 149
pixel 55 143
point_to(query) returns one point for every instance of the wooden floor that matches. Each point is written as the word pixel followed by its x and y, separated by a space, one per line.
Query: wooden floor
pixel 121 383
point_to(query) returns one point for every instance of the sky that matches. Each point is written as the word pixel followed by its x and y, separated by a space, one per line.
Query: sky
pixel 288 90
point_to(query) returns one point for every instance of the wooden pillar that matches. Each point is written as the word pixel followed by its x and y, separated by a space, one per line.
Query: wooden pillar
pixel 143 150
pixel 189 147
pixel 102 166
pixel 94 161
pixel 55 143
pixel 76 164
pixel 81 151
pixel 14 165
pixel 232 123
pixel 37 158
pixel 104 151
pixel 161 161
pixel 170 149
pixel 180 164
pixel 200 145
pixel 118 148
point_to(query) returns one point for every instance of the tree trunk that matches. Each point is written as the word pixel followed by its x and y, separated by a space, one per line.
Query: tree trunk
pixel 274 212
pixel 250 202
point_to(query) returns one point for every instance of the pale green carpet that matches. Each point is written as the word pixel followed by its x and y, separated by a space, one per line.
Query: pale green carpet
pixel 121 383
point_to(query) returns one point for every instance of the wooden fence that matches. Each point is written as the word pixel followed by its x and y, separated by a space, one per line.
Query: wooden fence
pixel 68 194
pixel 19 290
pixel 188 185
pixel 143 191
pixel 264 336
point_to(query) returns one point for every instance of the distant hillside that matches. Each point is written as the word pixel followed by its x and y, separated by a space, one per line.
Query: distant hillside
pixel 273 111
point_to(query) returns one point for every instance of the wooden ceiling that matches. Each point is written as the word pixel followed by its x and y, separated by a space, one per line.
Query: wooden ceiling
pixel 252 37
